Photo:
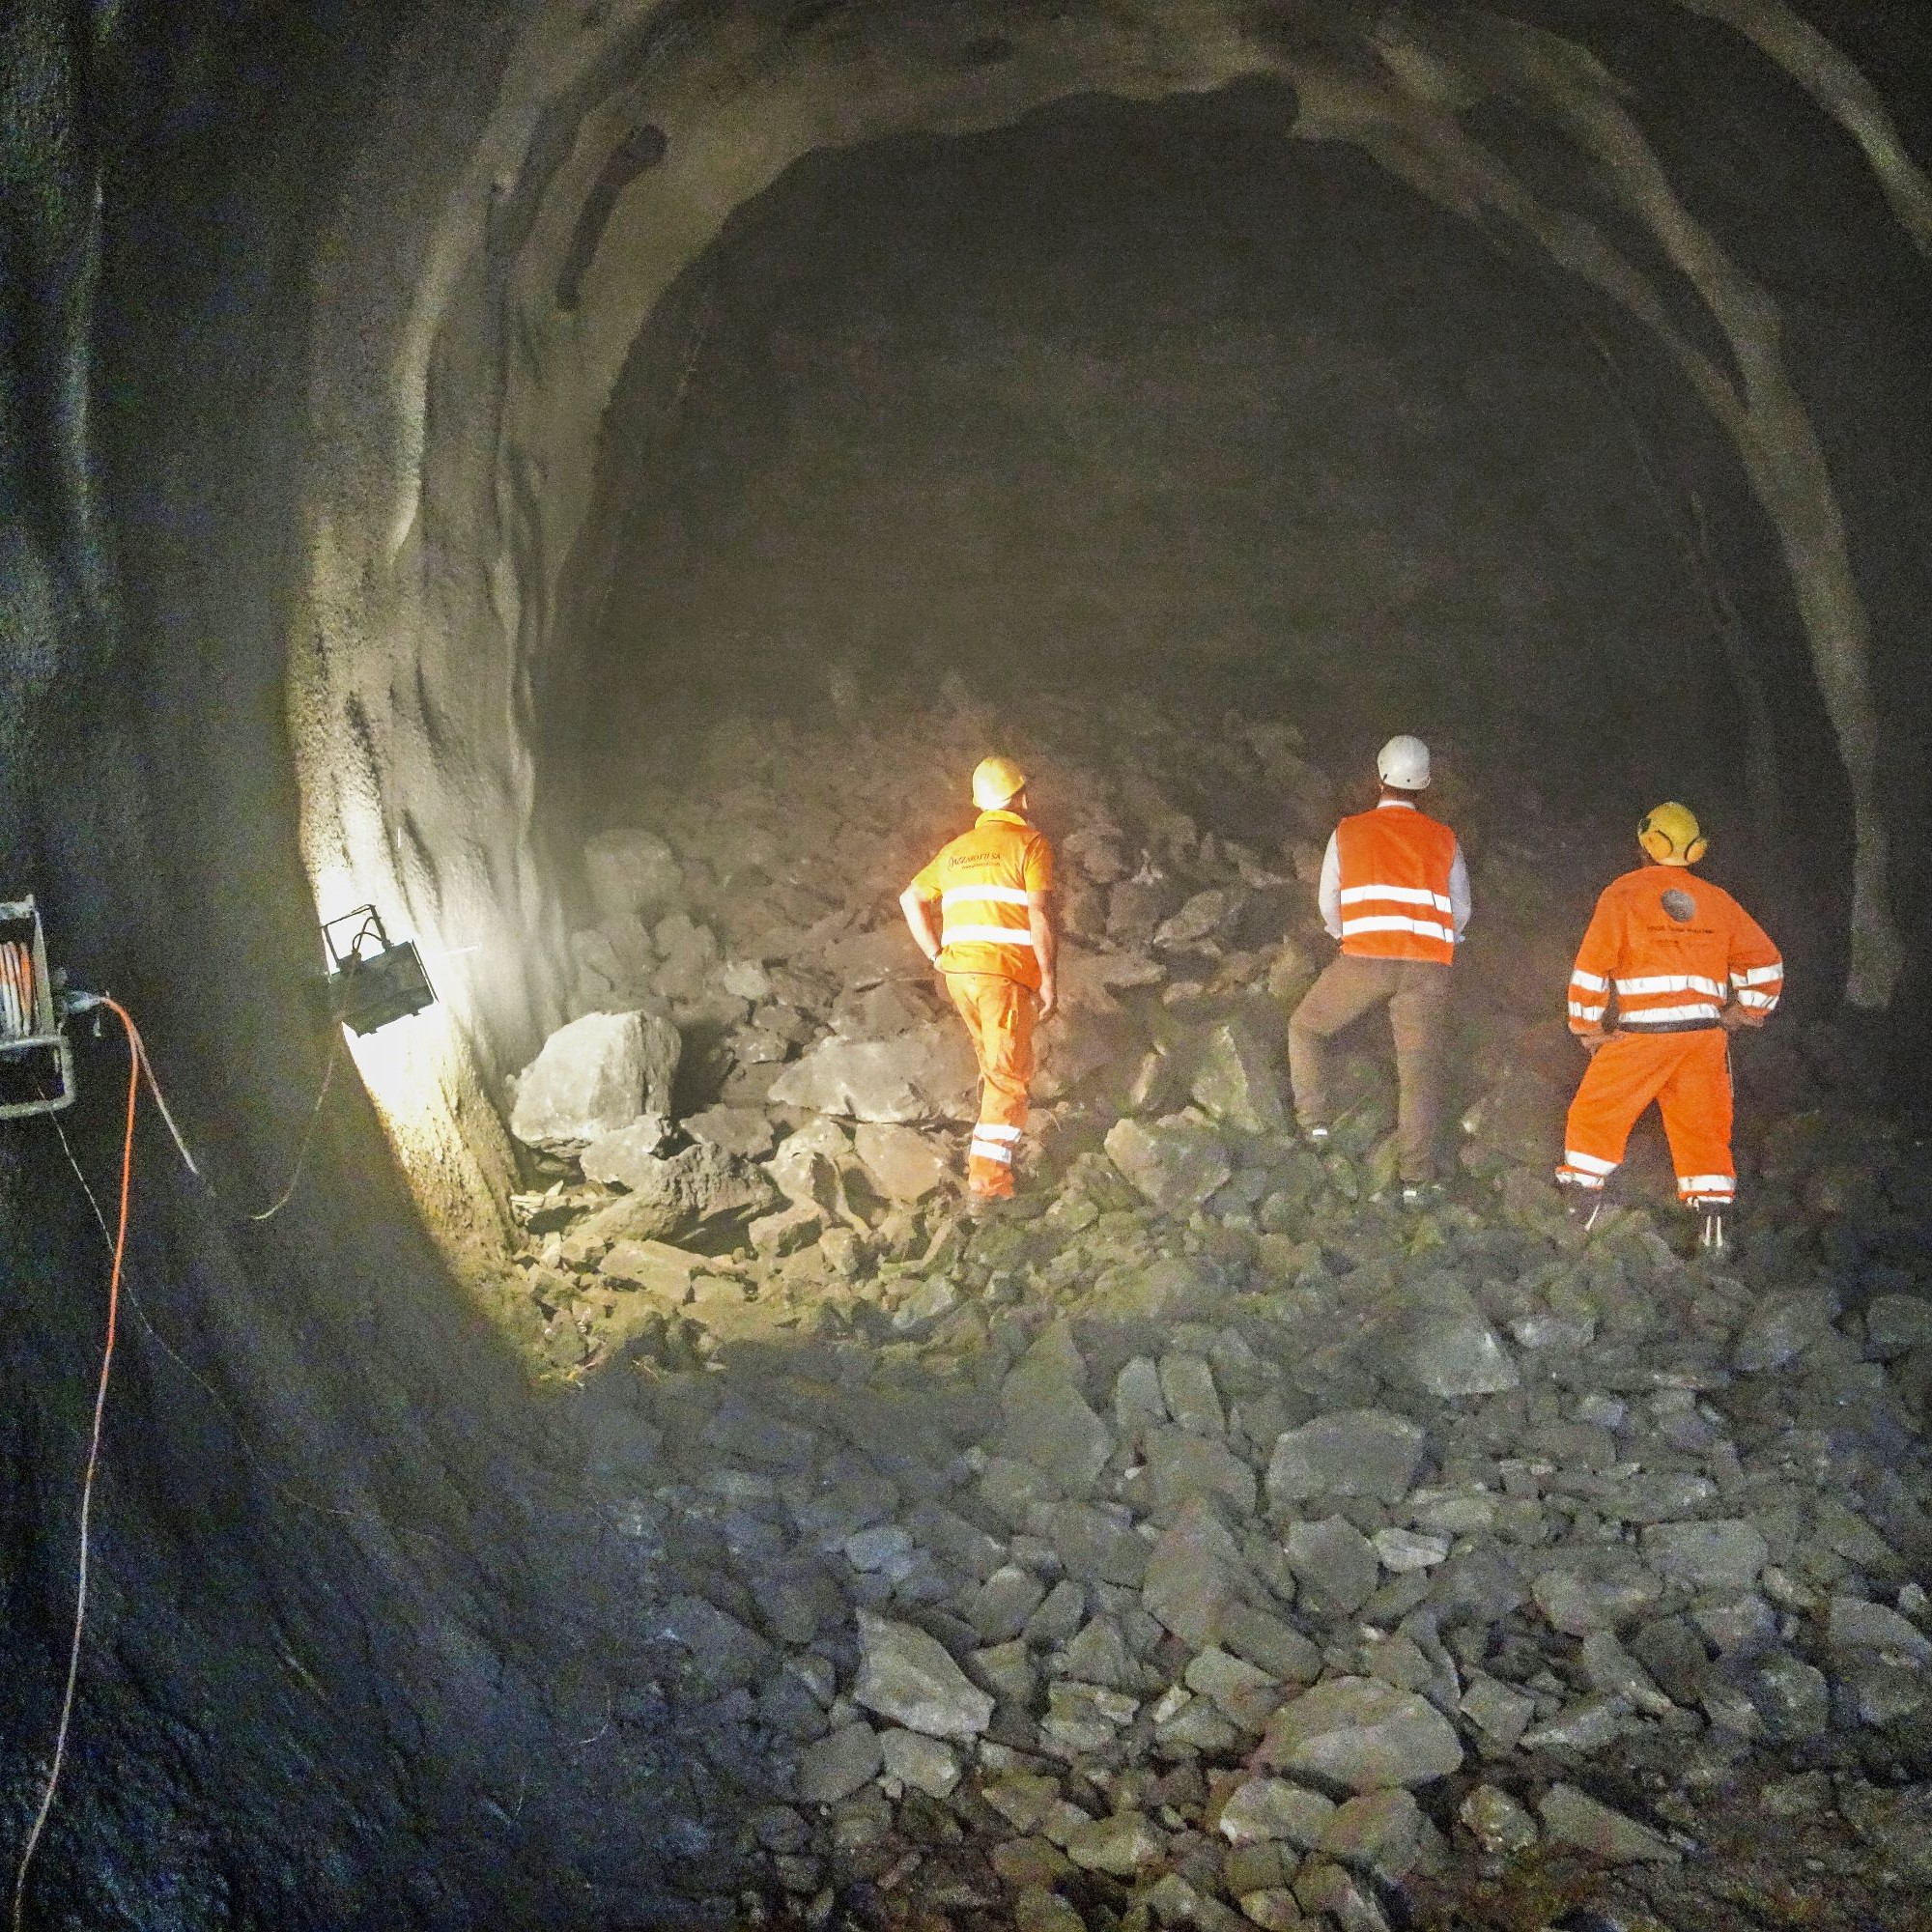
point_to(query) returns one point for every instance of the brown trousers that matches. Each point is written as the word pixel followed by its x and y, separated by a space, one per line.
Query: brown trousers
pixel 1416 993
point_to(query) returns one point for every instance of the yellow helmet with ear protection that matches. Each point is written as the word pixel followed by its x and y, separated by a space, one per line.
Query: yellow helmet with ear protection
pixel 1671 836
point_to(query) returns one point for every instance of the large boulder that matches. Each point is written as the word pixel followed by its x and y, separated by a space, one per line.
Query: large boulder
pixel 594 1077
pixel 630 871
pixel 673 1195
pixel 1363 1734
pixel 906 1675
pixel 903 1165
pixel 1358 1452
pixel 925 1074
pixel 1238 1080
pixel 1175 1163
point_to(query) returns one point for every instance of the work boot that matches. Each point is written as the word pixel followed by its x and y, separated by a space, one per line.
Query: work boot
pixel 1715 1238
pixel 1582 1206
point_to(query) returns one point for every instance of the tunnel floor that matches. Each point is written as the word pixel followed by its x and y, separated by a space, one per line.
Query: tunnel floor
pixel 1208 1539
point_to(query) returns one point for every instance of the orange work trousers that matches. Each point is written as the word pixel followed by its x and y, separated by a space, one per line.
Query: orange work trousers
pixel 1689 1076
pixel 999 1016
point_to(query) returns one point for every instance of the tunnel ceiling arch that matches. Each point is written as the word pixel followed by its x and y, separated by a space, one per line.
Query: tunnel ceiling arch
pixel 473 322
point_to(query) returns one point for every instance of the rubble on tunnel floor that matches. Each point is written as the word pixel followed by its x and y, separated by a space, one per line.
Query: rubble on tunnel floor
pixel 1207 1539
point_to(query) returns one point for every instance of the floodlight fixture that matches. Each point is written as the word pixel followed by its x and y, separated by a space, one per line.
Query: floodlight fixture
pixel 372 980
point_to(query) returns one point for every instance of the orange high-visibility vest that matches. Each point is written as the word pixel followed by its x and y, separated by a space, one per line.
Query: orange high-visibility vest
pixel 981 881
pixel 1673 948
pixel 1395 867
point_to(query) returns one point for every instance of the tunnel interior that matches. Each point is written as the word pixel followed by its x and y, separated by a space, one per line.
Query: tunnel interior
pixel 591 482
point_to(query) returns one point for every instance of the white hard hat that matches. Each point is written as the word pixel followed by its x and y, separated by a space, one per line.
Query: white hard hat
pixel 1403 762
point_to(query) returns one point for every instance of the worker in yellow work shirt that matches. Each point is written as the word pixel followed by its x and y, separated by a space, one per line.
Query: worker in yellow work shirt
pixel 979 913
pixel 1395 890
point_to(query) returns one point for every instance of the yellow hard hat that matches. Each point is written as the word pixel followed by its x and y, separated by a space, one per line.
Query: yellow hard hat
pixel 995 781
pixel 1670 834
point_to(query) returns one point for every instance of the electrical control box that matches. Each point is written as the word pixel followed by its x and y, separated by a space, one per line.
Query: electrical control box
pixel 371 981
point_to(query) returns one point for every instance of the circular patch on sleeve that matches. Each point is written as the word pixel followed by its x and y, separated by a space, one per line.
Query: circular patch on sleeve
pixel 1680 905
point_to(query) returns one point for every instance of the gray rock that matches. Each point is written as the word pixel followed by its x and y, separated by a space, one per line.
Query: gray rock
pixel 1139 1406
pixel 926 1301
pixel 1896 1823
pixel 1782 1326
pixel 1851 1623
pixel 927 1074
pixel 1499 1710
pixel 1202 917
pixel 1613 1670
pixel 1496 1822
pixel 1897 1323
pixel 1334 1564
pixel 1182 1466
pixel 1193 1572
pixel 1381 1832
pixel 1723 1555
pixel 906 1675
pixel 1584 1726
pixel 1174 1164
pixel 592 1078
pixel 655 1267
pixel 902 1164
pixel 672 1195
pixel 1768 1692
pixel 1239 1081
pixel 1007 1670
pixel 1120 1845
pixel 1263 1809
pixel 1401 1550
pixel 1243 1694
pixel 838 1765
pixel 1099 1655
pixel 721 1649
pixel 1047 1422
pixel 1594 1589
pixel 805 1166
pixel 1269 1643
pixel 1455 1352
pixel 745 1131
pixel 1096 1545
pixel 1059 1616
pixel 1362 1733
pixel 630 871
pixel 1340 1898
pixel 1002 1604
pixel 1569 1818
pixel 1364 1452
pixel 687 953
pixel 617 1161
pixel 1188 1387
pixel 923 1763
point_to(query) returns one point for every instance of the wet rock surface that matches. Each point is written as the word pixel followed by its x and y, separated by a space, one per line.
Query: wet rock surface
pixel 1208 1539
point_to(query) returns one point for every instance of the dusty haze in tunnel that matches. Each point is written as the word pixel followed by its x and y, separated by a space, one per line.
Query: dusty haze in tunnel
pixel 447 417
pixel 1161 401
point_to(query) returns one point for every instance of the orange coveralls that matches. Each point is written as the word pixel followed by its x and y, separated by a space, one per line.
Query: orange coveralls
pixel 983 881
pixel 1674 950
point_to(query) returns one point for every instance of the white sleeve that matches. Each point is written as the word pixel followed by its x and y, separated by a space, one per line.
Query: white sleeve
pixel 1328 895
pixel 1459 890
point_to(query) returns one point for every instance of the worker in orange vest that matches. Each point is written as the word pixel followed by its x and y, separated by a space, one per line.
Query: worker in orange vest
pixel 1686 965
pixel 1395 890
pixel 992 937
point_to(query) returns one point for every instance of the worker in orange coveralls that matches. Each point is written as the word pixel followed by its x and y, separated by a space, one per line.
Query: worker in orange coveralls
pixel 1686 965
pixel 994 942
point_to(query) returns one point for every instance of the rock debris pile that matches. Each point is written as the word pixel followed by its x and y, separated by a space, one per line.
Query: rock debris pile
pixel 1207 1541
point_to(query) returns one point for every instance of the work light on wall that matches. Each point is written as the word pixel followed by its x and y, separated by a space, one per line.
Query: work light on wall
pixel 372 980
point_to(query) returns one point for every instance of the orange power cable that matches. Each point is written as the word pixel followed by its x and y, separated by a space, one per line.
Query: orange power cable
pixel 93 1465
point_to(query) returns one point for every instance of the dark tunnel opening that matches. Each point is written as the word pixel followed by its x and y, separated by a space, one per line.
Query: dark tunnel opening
pixel 448 1586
